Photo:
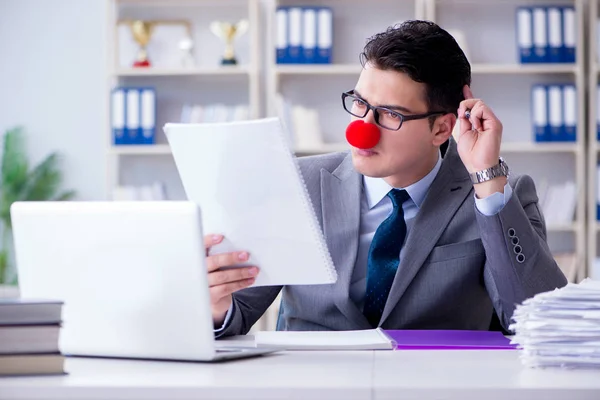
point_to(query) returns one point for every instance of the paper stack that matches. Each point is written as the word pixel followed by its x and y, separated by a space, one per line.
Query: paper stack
pixel 560 328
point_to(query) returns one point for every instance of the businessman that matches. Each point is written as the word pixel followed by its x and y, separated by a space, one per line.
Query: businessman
pixel 425 231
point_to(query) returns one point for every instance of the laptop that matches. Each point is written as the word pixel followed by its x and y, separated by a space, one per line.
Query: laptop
pixel 132 275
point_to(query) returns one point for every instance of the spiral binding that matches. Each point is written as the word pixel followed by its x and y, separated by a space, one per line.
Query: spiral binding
pixel 303 191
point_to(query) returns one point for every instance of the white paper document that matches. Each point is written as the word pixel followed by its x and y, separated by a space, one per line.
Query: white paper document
pixel 247 183
pixel 560 328
pixel 369 339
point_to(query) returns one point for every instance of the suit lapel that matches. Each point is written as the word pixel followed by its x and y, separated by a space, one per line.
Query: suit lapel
pixel 452 184
pixel 340 202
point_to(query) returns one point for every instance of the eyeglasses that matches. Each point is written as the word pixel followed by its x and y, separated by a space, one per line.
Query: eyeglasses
pixel 384 117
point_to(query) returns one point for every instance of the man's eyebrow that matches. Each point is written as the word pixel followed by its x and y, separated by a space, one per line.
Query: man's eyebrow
pixel 391 107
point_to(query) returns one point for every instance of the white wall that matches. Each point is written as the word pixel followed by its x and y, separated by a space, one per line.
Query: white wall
pixel 53 82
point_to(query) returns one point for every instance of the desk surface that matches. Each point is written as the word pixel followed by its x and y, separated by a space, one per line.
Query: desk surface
pixel 418 374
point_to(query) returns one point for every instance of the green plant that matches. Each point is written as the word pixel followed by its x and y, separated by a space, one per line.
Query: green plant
pixel 20 183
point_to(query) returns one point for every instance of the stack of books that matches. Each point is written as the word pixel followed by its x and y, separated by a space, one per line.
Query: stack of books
pixel 560 328
pixel 29 332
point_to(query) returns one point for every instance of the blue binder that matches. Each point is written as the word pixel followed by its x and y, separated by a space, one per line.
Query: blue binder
pixel 147 116
pixel 309 34
pixel 524 24
pixel 295 53
pixel 555 34
pixel 118 110
pixel 569 34
pixel 324 35
pixel 539 108
pixel 282 35
pixel 540 35
pixel 570 113
pixel 556 113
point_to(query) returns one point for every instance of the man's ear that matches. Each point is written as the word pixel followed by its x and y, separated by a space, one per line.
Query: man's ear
pixel 443 128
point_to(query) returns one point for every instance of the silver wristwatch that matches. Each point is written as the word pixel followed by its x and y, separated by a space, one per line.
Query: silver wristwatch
pixel 501 169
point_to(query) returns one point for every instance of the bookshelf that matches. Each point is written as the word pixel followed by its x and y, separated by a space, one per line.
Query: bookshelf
pixel 593 227
pixel 488 24
pixel 178 85
pixel 320 86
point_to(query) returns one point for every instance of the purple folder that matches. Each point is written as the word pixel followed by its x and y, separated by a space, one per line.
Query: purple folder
pixel 448 340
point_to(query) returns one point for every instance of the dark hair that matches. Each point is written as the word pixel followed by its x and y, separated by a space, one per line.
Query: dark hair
pixel 427 54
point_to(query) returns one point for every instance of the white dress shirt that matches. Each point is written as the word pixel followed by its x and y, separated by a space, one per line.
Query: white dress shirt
pixel 376 207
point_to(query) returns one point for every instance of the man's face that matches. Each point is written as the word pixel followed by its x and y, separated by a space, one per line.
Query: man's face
pixel 403 152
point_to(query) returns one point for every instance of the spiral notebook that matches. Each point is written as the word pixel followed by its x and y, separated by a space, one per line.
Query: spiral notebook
pixel 246 181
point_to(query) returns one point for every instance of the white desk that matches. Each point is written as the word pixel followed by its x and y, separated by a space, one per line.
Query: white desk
pixel 313 375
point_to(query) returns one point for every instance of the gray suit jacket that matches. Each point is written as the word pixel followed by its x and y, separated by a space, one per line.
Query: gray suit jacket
pixel 458 265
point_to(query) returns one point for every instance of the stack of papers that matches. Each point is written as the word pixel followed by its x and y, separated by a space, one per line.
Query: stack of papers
pixel 560 328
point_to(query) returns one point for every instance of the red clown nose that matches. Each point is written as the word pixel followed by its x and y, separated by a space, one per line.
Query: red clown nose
pixel 362 135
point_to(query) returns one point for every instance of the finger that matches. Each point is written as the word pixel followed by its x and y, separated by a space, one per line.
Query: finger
pixel 218 292
pixel 231 275
pixel 211 240
pixel 467 93
pixel 225 260
pixel 482 115
pixel 466 105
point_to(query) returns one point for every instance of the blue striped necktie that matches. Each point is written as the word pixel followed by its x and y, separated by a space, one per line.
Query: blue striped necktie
pixel 384 256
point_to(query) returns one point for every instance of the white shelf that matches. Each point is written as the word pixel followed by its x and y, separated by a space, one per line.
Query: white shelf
pixel 523 68
pixel 318 69
pixel 141 150
pixel 215 71
pixel 354 69
pixel 531 147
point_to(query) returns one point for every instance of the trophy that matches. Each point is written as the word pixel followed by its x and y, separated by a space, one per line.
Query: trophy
pixel 141 31
pixel 228 32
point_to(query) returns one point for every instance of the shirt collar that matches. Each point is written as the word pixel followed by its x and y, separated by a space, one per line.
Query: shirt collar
pixel 376 188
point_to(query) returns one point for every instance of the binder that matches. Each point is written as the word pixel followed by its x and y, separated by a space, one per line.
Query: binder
pixel 540 35
pixel 570 34
pixel 148 115
pixel 570 113
pixel 555 113
pixel 324 35
pixel 598 112
pixel 598 192
pixel 133 129
pixel 118 115
pixel 539 100
pixel 281 40
pixel 555 35
pixel 295 35
pixel 525 34
pixel 309 35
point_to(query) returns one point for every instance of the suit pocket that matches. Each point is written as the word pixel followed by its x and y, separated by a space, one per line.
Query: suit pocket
pixel 456 250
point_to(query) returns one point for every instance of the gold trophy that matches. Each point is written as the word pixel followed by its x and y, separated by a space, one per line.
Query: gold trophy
pixel 228 32
pixel 141 31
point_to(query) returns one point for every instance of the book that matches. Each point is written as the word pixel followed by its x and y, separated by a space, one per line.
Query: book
pixel 31 364
pixel 449 340
pixel 247 184
pixel 19 311
pixel 380 339
pixel 21 339
pixel 369 339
